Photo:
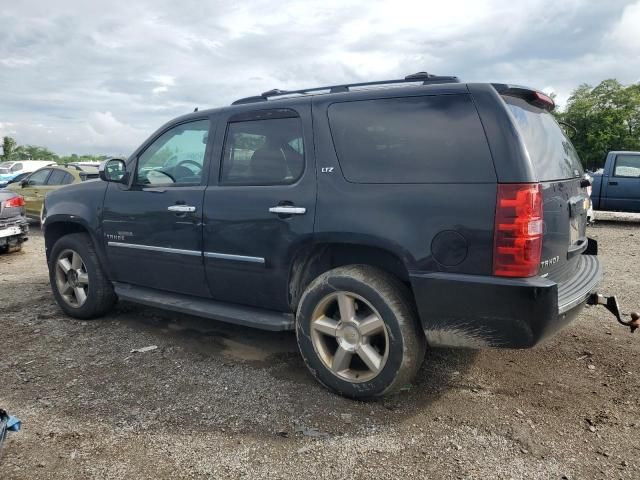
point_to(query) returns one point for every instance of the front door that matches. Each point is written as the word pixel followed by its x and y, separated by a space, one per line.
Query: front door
pixel 153 226
pixel 623 185
pixel 260 205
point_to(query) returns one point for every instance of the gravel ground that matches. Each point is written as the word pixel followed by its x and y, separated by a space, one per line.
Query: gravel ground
pixel 219 401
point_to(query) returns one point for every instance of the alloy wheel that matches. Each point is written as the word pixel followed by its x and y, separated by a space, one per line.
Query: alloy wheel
pixel 350 337
pixel 72 278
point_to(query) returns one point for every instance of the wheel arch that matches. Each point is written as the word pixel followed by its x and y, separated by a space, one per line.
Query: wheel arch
pixel 313 259
pixel 57 227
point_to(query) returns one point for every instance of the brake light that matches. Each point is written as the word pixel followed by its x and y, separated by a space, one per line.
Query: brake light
pixel 14 202
pixel 543 101
pixel 518 230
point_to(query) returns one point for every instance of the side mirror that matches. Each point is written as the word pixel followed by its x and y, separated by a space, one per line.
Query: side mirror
pixel 113 170
pixel 24 183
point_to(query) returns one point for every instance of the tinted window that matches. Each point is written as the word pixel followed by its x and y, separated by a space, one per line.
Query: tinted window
pixel 627 166
pixel 263 152
pixel 176 157
pixel 39 177
pixel 429 139
pixel 550 150
pixel 59 177
pixel 16 167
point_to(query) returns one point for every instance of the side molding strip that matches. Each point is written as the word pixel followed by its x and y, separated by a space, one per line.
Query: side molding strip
pixel 228 256
pixel 152 248
pixel 195 253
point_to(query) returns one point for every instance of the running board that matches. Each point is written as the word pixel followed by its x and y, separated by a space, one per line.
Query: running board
pixel 202 307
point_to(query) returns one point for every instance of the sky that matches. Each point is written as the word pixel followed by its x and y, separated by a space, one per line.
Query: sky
pixel 81 78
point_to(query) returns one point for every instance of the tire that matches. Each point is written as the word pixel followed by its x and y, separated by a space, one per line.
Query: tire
pixel 386 351
pixel 98 297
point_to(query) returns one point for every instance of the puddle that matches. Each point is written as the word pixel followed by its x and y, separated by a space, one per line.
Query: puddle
pixel 208 337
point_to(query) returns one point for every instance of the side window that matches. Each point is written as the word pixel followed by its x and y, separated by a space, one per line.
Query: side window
pixel 57 177
pixel 39 177
pixel 16 167
pixel 263 152
pixel 627 166
pixel 425 139
pixel 176 157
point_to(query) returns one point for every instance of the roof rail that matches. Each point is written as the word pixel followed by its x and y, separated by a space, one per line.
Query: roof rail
pixel 424 77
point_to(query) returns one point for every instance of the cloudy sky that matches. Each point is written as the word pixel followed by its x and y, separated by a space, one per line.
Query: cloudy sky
pixel 80 78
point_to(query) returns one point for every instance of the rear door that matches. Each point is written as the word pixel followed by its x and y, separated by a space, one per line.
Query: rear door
pixel 33 190
pixel 565 203
pixel 260 204
pixel 622 186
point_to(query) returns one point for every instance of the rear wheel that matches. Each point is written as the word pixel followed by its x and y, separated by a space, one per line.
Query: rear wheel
pixel 358 333
pixel 78 283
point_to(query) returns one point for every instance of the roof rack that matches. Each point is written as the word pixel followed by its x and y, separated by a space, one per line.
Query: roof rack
pixel 424 77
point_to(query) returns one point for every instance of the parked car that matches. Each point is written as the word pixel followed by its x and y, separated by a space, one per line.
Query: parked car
pixel 10 170
pixel 13 223
pixel 84 166
pixel 591 217
pixel 35 187
pixel 18 178
pixel 617 186
pixel 373 221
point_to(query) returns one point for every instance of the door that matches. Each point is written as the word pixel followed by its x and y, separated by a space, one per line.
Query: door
pixel 622 186
pixel 153 226
pixel 57 179
pixel 34 190
pixel 260 205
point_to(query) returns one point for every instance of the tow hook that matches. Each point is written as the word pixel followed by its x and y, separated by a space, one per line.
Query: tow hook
pixel 611 304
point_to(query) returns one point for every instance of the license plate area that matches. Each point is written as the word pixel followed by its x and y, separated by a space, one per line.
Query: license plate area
pixel 10 232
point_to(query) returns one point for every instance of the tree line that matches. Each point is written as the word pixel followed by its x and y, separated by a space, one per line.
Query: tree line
pixel 11 151
pixel 600 119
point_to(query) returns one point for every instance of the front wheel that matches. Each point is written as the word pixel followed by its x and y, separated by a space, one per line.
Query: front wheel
pixel 78 283
pixel 358 333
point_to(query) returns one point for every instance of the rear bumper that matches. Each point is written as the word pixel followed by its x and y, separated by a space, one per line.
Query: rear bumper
pixel 477 311
pixel 13 230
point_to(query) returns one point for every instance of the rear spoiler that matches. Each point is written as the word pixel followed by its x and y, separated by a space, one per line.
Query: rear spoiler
pixel 84 176
pixel 534 97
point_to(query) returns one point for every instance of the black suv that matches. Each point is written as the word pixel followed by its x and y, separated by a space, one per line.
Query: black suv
pixel 374 219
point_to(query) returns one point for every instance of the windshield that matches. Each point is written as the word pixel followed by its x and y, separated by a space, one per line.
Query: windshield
pixel 551 152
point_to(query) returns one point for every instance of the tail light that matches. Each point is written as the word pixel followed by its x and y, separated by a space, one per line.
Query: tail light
pixel 14 202
pixel 518 230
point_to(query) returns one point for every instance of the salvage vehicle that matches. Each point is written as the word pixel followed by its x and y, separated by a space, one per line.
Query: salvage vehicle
pixel 10 170
pixel 13 223
pixel 40 183
pixel 374 219
pixel 617 186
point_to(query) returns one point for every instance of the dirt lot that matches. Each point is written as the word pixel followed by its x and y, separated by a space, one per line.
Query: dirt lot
pixel 220 401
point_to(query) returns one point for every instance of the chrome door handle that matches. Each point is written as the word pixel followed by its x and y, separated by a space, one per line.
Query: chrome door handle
pixel 181 208
pixel 288 210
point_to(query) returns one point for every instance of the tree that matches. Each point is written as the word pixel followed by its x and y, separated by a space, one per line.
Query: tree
pixel 8 148
pixel 34 152
pixel 606 117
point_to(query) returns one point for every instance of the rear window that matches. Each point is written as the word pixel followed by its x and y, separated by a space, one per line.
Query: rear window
pixel 550 151
pixel 428 139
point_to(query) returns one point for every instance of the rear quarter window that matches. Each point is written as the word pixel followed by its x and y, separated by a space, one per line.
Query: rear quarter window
pixel 426 139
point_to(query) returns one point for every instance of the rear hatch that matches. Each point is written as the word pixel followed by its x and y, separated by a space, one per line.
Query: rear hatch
pixel 559 171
